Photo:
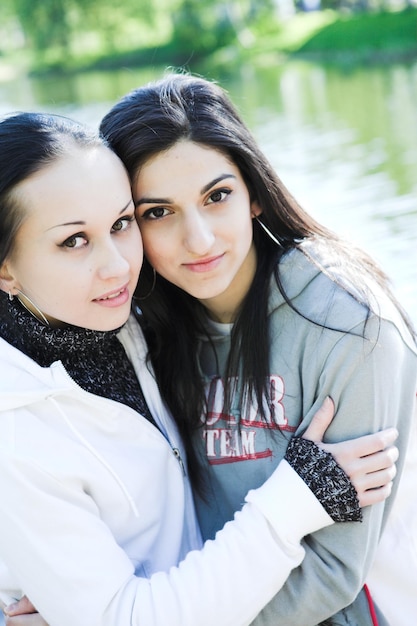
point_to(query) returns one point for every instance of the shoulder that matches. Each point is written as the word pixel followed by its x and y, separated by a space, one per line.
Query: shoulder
pixel 318 263
pixel 19 370
pixel 326 292
pixel 22 380
pixel 315 288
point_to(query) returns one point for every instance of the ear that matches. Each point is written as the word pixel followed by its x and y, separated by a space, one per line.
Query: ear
pixel 8 283
pixel 255 209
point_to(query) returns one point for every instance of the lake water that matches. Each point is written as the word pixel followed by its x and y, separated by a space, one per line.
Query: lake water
pixel 343 141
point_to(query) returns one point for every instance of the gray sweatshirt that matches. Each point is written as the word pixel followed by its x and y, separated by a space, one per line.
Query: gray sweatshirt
pixel 369 370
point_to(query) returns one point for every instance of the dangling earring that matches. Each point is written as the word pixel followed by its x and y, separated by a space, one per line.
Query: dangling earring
pixel 40 316
pixel 151 289
pixel 268 232
pixel 11 296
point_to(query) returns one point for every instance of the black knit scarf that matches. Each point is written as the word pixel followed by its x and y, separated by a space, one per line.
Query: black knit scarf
pixel 96 360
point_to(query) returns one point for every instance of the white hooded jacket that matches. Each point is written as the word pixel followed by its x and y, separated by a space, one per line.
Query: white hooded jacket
pixel 95 501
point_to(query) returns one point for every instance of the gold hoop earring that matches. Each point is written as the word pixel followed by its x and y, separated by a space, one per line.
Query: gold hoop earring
pixel 151 289
pixel 268 232
pixel 40 316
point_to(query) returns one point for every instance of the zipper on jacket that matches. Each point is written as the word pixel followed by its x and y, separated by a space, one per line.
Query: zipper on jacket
pixel 177 455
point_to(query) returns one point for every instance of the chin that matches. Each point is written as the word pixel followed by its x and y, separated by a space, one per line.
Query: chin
pixel 105 323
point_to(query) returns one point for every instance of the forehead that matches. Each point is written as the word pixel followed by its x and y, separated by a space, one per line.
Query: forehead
pixel 73 181
pixel 185 159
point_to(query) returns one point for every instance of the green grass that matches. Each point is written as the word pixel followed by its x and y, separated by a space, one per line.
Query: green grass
pixel 386 32
pixel 290 36
pixel 328 34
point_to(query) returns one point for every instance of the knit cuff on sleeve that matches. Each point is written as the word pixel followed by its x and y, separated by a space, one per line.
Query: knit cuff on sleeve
pixel 326 479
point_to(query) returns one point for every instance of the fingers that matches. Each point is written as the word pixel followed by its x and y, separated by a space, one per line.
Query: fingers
pixel 376 480
pixel 373 496
pixel 377 474
pixel 368 461
pixel 321 421
pixel 361 467
pixel 375 462
pixel 23 613
pixel 370 464
pixel 34 619
pixel 370 444
pixel 20 607
pixel 351 454
pixel 373 476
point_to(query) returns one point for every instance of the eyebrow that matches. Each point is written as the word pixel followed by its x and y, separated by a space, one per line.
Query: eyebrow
pixel 81 222
pixel 203 190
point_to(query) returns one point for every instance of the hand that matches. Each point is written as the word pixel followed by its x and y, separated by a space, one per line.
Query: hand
pixel 369 461
pixel 23 613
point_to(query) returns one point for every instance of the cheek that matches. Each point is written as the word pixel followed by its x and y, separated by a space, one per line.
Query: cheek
pixel 132 251
pixel 156 249
pixel 240 231
pixel 138 250
pixel 43 276
pixel 158 262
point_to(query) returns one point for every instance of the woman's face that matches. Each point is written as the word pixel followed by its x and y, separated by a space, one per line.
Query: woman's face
pixel 78 253
pixel 195 216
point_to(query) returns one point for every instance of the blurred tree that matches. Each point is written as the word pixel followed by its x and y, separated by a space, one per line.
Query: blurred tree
pixel 200 26
pixel 59 23
pixel 44 23
pixel 203 25
pixel 109 19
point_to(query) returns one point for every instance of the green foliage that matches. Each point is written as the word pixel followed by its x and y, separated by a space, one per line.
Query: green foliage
pixel 44 23
pixel 374 31
pixel 291 36
pixel 55 29
pixel 61 28
pixel 201 26
pixel 70 34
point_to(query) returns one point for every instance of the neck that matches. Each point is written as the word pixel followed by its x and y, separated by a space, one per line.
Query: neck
pixel 225 307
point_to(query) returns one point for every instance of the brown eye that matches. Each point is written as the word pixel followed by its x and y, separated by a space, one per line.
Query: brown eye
pixel 218 195
pixel 156 213
pixel 123 223
pixel 75 241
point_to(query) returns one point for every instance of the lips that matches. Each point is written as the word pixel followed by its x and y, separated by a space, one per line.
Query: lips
pixel 114 295
pixel 205 265
pixel 111 296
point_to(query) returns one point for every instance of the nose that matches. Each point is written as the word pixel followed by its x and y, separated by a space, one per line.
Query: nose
pixel 198 234
pixel 111 263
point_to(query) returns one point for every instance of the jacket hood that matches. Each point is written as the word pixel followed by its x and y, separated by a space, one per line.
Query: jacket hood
pixel 22 381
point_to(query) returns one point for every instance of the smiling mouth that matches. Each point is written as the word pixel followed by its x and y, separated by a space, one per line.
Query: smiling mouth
pixel 112 296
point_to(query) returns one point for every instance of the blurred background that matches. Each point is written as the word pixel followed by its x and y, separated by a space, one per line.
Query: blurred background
pixel 328 87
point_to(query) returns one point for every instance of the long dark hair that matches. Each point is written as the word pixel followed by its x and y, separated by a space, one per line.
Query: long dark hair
pixel 150 120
